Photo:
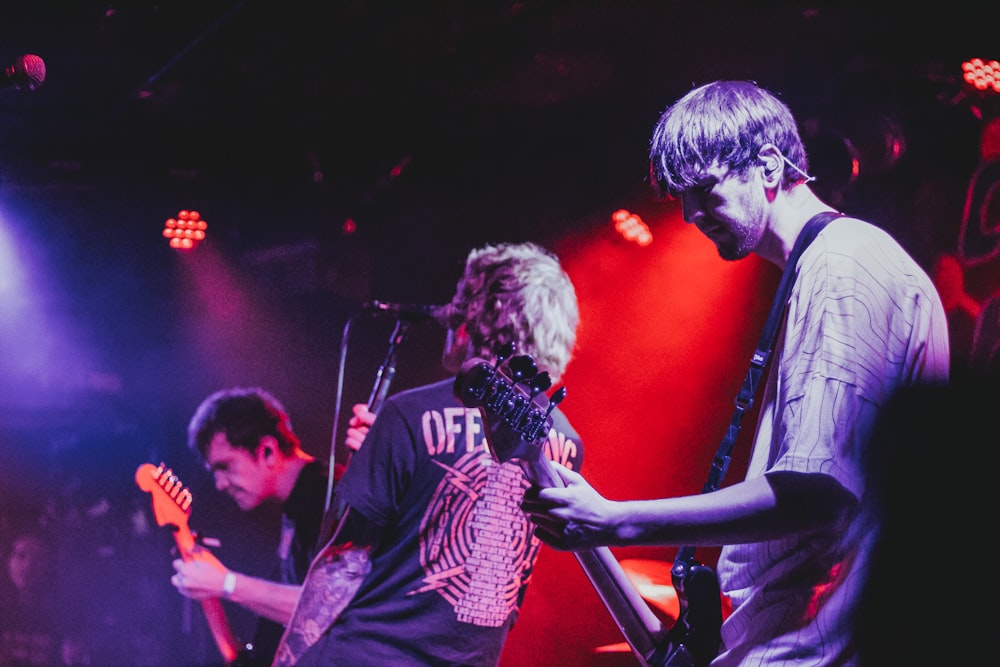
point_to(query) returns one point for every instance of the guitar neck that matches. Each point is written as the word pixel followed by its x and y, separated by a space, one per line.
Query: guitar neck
pixel 641 628
pixel 215 614
pixel 223 635
pixel 638 624
pixel 171 507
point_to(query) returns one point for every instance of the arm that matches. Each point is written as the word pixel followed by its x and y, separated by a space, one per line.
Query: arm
pixel 200 580
pixel 577 517
pixel 334 578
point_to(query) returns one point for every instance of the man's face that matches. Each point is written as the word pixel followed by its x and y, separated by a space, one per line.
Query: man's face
pixel 728 209
pixel 244 475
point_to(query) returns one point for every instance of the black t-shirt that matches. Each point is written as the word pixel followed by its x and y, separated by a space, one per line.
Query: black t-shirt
pixel 456 553
pixel 301 517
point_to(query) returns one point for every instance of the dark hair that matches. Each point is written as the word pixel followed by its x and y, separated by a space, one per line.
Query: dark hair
pixel 725 123
pixel 245 415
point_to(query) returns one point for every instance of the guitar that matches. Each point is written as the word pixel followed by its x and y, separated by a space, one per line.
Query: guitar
pixel 511 397
pixel 171 507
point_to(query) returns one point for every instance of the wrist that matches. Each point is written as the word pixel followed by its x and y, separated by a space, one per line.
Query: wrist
pixel 229 584
pixel 623 528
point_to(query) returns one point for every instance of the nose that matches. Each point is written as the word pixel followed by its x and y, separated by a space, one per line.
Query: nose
pixel 691 209
pixel 221 481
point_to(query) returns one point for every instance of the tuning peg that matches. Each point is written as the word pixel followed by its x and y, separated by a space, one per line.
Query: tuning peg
pixel 540 383
pixel 502 354
pixel 556 399
pixel 521 368
pixel 505 351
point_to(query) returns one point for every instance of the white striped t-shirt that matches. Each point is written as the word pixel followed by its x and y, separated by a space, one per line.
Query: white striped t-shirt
pixel 863 319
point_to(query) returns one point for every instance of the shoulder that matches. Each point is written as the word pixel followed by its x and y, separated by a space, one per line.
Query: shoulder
pixel 440 386
pixel 850 247
pixel 310 485
pixel 846 232
pixel 566 447
pixel 402 412
pixel 424 396
pixel 313 473
pixel 561 423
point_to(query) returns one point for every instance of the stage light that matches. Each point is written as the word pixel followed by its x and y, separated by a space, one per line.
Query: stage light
pixel 981 87
pixel 982 75
pixel 631 226
pixel 185 231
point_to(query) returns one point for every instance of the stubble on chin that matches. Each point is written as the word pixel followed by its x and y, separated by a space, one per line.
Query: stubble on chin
pixel 731 252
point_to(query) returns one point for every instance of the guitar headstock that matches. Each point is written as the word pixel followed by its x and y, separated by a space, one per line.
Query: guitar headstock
pixel 510 395
pixel 171 499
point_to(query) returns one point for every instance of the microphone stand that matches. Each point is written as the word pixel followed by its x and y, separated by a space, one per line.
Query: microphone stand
pixel 387 371
pixel 380 390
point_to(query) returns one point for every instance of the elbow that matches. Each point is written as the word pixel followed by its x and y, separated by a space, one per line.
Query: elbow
pixel 812 500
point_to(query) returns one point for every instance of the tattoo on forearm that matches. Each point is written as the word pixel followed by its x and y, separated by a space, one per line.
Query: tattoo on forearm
pixel 333 579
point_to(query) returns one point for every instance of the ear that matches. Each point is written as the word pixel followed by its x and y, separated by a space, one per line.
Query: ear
pixel 772 159
pixel 267 449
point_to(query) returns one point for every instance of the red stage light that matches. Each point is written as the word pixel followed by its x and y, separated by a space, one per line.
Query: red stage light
pixel 983 75
pixel 631 226
pixel 185 231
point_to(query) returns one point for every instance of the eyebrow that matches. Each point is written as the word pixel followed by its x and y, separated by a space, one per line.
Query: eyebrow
pixel 704 182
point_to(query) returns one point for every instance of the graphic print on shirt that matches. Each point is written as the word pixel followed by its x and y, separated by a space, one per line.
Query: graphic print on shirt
pixel 477 547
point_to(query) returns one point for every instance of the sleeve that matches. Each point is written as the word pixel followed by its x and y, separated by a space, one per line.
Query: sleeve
pixel 830 370
pixel 379 473
pixel 564 445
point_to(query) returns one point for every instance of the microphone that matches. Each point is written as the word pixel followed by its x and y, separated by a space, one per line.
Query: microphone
pixel 25 73
pixel 408 311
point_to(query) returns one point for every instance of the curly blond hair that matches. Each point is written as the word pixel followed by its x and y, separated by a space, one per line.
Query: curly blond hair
pixel 517 292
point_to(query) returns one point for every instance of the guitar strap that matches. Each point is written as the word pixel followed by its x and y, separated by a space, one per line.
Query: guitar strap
pixel 745 397
pixel 699 635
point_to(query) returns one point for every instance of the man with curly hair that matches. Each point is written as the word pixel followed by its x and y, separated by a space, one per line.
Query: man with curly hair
pixel 432 555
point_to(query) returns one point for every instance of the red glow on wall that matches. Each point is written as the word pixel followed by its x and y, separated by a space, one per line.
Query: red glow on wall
pixel 664 342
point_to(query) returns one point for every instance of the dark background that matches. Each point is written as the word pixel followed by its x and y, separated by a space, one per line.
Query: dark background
pixel 349 151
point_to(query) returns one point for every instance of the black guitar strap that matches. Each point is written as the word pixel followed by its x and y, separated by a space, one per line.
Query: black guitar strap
pixel 745 397
pixel 699 637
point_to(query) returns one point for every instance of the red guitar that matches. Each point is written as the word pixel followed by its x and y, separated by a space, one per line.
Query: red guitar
pixel 171 507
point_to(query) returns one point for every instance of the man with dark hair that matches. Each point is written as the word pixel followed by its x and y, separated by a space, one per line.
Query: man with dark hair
pixel 245 438
pixel 432 555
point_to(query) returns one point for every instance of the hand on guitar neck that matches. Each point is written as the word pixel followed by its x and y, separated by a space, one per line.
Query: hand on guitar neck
pixel 200 575
pixel 517 417
pixel 171 507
